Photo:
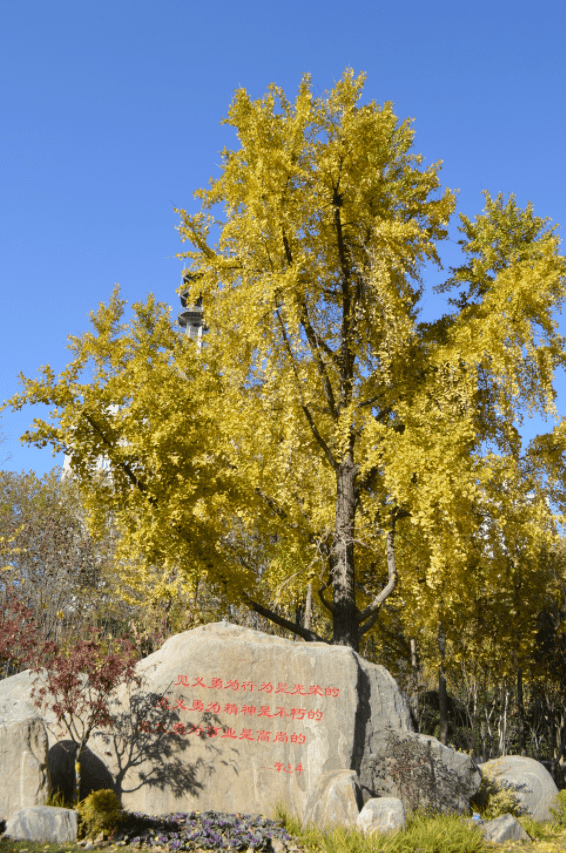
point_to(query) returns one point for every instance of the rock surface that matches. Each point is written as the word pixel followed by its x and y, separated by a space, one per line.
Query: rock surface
pixel 233 719
pixel 43 823
pixel 61 751
pixel 335 800
pixel 530 780
pixel 24 780
pixel 504 828
pixel 382 815
pixel 420 771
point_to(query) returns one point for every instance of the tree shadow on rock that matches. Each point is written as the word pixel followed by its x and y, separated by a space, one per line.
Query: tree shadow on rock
pixel 95 776
pixel 149 734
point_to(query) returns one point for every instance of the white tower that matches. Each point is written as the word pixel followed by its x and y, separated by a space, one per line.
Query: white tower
pixel 192 318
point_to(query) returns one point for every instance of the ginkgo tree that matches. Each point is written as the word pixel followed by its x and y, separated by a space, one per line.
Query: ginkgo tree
pixel 321 413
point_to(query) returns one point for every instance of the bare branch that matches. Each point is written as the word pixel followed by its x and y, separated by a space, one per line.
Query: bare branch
pixel 308 415
pixel 294 575
pixel 371 612
pixel 315 344
pixel 287 247
pixel 322 598
pixel 319 438
pixel 123 465
pixel 305 633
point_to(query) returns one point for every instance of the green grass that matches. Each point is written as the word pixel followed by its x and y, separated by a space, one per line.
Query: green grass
pixel 424 833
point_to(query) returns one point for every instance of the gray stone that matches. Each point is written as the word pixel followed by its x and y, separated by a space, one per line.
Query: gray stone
pixel 43 823
pixel 420 771
pixel 504 828
pixel 530 781
pixel 335 800
pixel 277 715
pixel 382 815
pixel 24 781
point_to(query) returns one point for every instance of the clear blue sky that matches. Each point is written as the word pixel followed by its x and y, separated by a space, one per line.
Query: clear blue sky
pixel 110 118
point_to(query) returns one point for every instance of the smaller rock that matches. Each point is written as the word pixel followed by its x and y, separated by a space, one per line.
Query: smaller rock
pixel 504 828
pixel 43 823
pixel 335 800
pixel 382 815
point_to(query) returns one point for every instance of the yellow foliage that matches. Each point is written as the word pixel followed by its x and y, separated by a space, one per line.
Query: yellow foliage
pixel 321 417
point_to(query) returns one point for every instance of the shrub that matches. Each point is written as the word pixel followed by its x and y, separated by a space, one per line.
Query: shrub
pixel 101 811
pixel 559 810
pixel 57 799
pixel 496 798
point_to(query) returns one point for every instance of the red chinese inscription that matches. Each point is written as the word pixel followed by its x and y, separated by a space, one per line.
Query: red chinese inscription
pixel 279 766
pixel 227 732
pixel 266 686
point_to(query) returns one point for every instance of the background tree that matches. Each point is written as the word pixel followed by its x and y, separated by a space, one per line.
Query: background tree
pixel 54 567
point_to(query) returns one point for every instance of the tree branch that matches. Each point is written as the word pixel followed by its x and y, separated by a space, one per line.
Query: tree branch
pixel 322 598
pixel 287 248
pixel 280 513
pixel 319 438
pixel 123 465
pixel 371 612
pixel 308 415
pixel 305 633
pixel 315 344
pixel 346 355
pixel 337 202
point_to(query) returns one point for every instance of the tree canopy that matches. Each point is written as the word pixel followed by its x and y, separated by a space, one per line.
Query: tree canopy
pixel 321 413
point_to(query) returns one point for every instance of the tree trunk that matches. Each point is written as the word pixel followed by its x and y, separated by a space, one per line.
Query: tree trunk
pixel 77 792
pixel 298 621
pixel 308 608
pixel 503 702
pixel 442 697
pixel 415 681
pixel 345 625
pixel 522 746
pixel 551 730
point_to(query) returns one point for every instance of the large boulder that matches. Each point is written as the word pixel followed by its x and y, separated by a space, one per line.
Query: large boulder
pixel 24 780
pixel 43 823
pixel 420 771
pixel 235 720
pixel 529 780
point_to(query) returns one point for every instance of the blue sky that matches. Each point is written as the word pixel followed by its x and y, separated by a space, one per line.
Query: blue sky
pixel 111 117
